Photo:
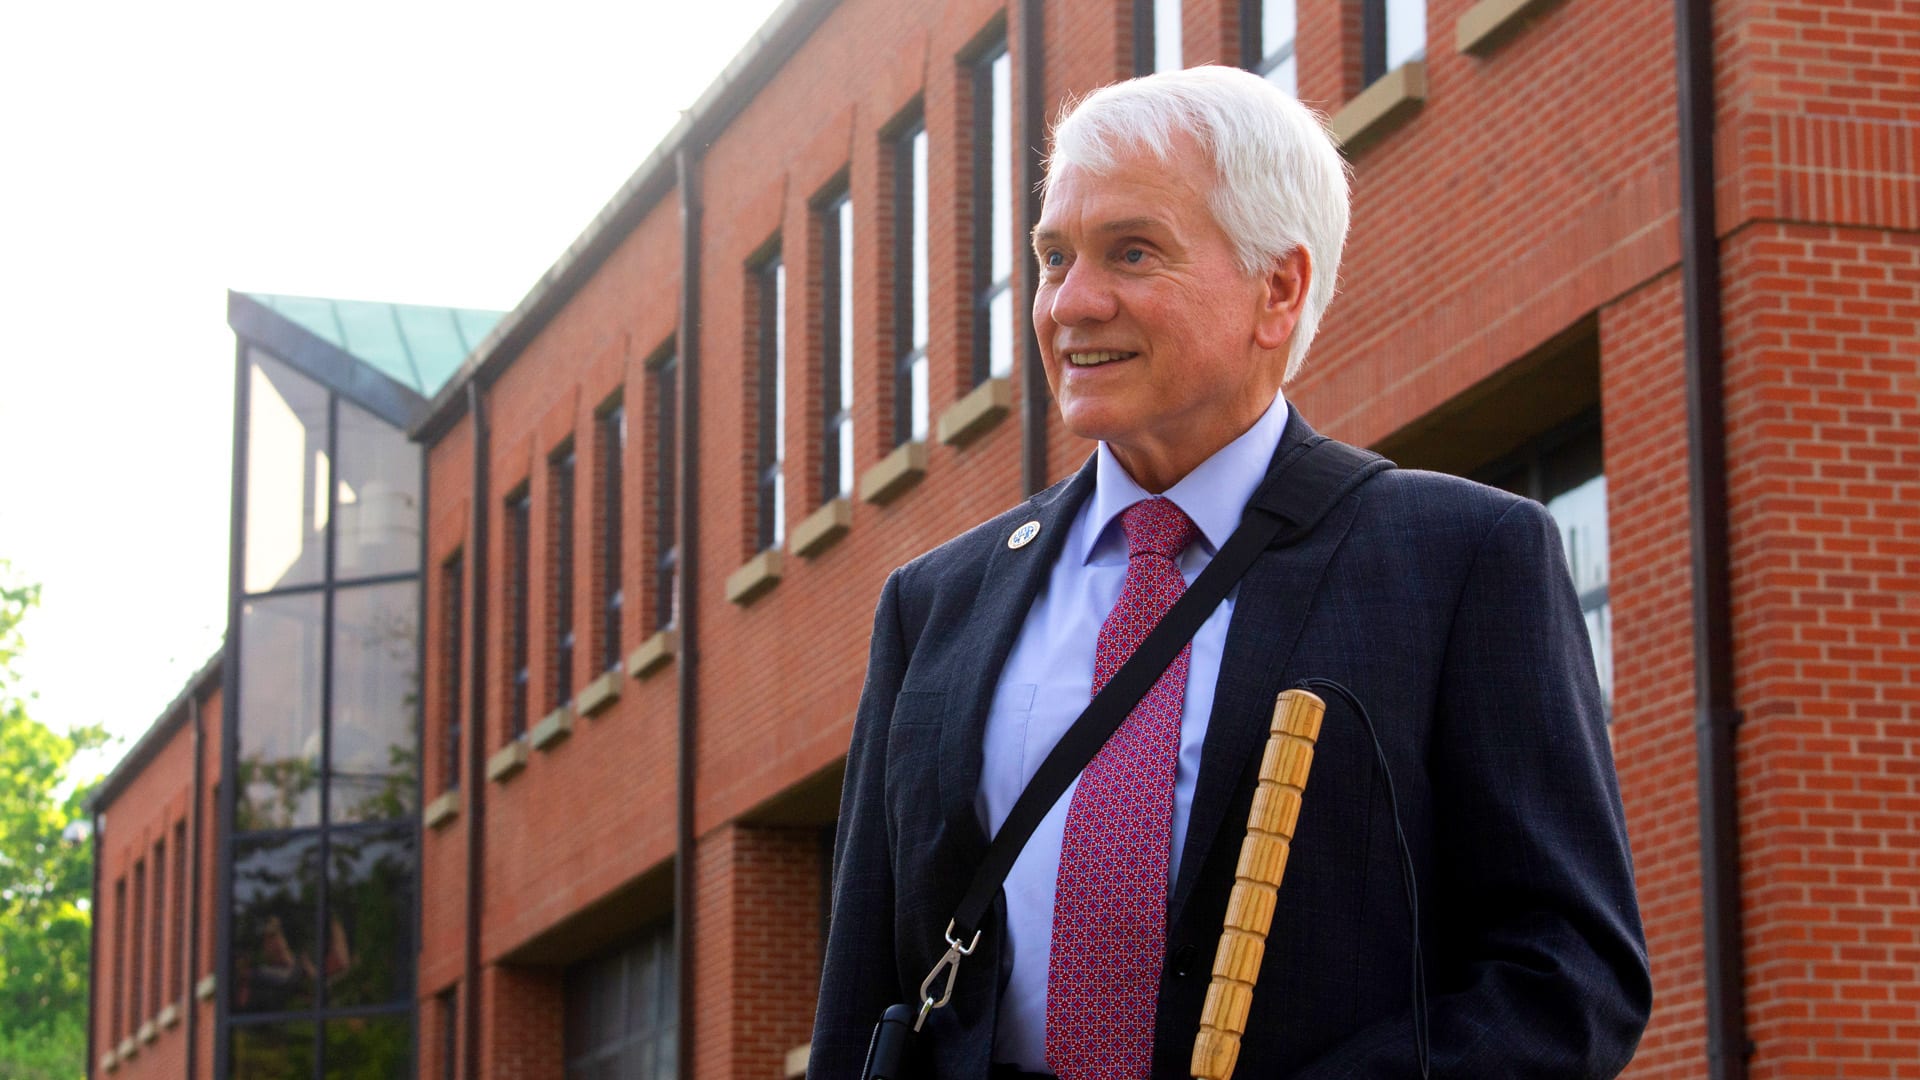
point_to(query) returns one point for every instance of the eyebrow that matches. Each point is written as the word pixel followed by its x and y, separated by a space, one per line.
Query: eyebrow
pixel 1121 225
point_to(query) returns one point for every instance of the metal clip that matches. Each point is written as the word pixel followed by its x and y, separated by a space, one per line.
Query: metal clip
pixel 951 963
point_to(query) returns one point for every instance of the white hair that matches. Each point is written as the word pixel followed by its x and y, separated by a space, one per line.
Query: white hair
pixel 1280 182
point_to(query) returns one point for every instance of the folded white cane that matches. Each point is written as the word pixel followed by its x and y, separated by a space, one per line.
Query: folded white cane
pixel 1263 861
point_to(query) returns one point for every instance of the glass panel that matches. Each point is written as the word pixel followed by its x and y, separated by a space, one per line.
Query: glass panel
pixel 376 690
pixel 845 442
pixel 275 906
pixel 1000 333
pixel 1276 26
pixel 379 501
pixel 920 239
pixel 369 1048
pixel 1581 513
pixel 273 1051
pixel 918 393
pixel 279 731
pixel 286 476
pixel 369 958
pixel 1406 31
pixel 1285 76
pixel 999 153
pixel 1166 35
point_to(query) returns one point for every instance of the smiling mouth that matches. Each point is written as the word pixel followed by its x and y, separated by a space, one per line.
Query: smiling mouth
pixel 1095 359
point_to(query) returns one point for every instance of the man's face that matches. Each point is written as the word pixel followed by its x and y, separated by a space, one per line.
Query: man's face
pixel 1147 325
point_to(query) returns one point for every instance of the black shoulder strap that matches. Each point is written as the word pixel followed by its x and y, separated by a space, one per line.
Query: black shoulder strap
pixel 1301 487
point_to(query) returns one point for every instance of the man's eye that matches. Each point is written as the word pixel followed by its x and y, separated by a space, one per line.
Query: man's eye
pixel 1134 256
pixel 1053 259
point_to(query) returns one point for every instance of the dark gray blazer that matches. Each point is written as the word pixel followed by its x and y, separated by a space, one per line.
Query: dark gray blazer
pixel 1447 608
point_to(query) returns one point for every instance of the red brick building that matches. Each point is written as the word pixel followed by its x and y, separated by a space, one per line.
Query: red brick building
pixel 1667 282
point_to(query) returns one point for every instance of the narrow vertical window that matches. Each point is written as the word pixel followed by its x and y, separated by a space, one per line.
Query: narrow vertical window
pixel 771 420
pixel 910 404
pixel 993 215
pixel 177 988
pixel 452 664
pixel 1268 42
pixel 612 442
pixel 449 1033
pixel 560 573
pixel 666 522
pixel 519 522
pixel 836 335
pixel 1156 36
pixel 1392 33
pixel 118 1030
pixel 157 930
pixel 136 1006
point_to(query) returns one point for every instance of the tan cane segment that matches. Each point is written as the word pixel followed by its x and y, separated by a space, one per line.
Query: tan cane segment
pixel 1263 861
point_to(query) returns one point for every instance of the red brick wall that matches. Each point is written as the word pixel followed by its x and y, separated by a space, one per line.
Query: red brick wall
pixel 756 948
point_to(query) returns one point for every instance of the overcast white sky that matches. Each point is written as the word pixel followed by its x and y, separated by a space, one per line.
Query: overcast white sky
pixel 157 155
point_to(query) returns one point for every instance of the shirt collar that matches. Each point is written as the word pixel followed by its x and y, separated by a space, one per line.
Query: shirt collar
pixel 1214 494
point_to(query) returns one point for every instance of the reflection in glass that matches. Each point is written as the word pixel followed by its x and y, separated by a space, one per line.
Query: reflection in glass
pixel 272 1051
pixel 279 729
pixel 370 918
pixel 378 531
pixel 376 688
pixel 620 1012
pixel 1166 35
pixel 1406 31
pixel 275 908
pixel 286 459
pixel 1581 513
pixel 1277 30
pixel 370 1048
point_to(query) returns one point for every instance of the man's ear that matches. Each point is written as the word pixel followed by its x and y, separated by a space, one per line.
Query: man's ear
pixel 1283 298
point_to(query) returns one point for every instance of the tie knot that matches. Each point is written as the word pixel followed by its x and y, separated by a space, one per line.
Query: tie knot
pixel 1157 527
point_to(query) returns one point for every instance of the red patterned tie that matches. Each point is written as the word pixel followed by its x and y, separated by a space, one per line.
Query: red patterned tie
pixel 1110 907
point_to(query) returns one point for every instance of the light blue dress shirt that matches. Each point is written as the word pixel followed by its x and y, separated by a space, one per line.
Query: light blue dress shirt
pixel 1048 680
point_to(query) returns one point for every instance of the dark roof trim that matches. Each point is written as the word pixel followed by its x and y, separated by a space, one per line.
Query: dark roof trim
pixel 339 370
pixel 172 718
pixel 749 72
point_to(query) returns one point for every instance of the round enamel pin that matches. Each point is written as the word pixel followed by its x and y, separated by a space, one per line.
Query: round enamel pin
pixel 1024 535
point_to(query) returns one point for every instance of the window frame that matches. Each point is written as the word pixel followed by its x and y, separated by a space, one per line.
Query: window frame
pixel 834 226
pixel 912 274
pixel 663 384
pixel 992 219
pixel 610 427
pixel 770 375
pixel 563 468
pixel 157 927
pixel 1376 35
pixel 453 614
pixel 1253 42
pixel 518 670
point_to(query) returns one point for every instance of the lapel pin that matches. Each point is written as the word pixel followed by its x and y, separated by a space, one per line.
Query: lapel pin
pixel 1024 535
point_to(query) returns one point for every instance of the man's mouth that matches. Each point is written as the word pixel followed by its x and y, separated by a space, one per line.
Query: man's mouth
pixel 1095 359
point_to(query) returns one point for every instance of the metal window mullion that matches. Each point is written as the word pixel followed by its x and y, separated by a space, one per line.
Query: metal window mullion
pixel 327 604
pixel 1373 40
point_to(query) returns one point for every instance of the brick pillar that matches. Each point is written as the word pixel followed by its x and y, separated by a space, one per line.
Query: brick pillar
pixel 1643 405
pixel 756 949
pixel 522 1024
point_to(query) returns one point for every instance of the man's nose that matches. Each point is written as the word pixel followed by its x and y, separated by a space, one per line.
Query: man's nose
pixel 1084 295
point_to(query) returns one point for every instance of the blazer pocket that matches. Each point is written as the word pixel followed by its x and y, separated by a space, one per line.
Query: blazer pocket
pixel 913 763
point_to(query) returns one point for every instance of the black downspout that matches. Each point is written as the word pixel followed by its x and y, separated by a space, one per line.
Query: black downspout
pixel 230 729
pixel 687 520
pixel 1715 717
pixel 193 888
pixel 93 941
pixel 475 733
pixel 420 755
pixel 1035 399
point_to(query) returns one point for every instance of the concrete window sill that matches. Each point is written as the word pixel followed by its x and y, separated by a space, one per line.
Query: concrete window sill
pixel 977 413
pixel 168 1017
pixel 128 1048
pixel 442 809
pixel 553 728
pixel 653 653
pixel 148 1032
pixel 109 1061
pixel 796 1062
pixel 1485 25
pixel 601 692
pixel 507 760
pixel 751 582
pixel 1381 107
pixel 205 987
pixel 892 475
pixel 822 528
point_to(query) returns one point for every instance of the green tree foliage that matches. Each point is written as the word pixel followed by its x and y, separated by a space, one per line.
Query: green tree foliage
pixel 46 868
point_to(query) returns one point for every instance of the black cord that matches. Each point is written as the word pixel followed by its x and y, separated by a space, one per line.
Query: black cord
pixel 1421 1037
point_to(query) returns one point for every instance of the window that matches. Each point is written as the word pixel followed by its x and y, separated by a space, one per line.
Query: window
pixel 666 523
pixel 119 1029
pixel 771 404
pixel 993 214
pixel 611 439
pixel 1268 40
pixel 452 664
pixel 1156 36
pixel 1392 33
pixel 910 405
pixel 560 469
pixel 449 1033
pixel 519 528
pixel 177 989
pixel 836 357
pixel 136 1005
pixel 157 930
pixel 620 1012
pixel 1564 471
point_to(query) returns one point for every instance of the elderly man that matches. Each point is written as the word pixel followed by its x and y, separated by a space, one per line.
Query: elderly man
pixel 1189 244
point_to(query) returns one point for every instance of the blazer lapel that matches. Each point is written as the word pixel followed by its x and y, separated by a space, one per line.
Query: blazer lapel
pixel 1007 586
pixel 1270 610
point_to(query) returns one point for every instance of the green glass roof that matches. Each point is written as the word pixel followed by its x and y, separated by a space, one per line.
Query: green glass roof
pixel 418 347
